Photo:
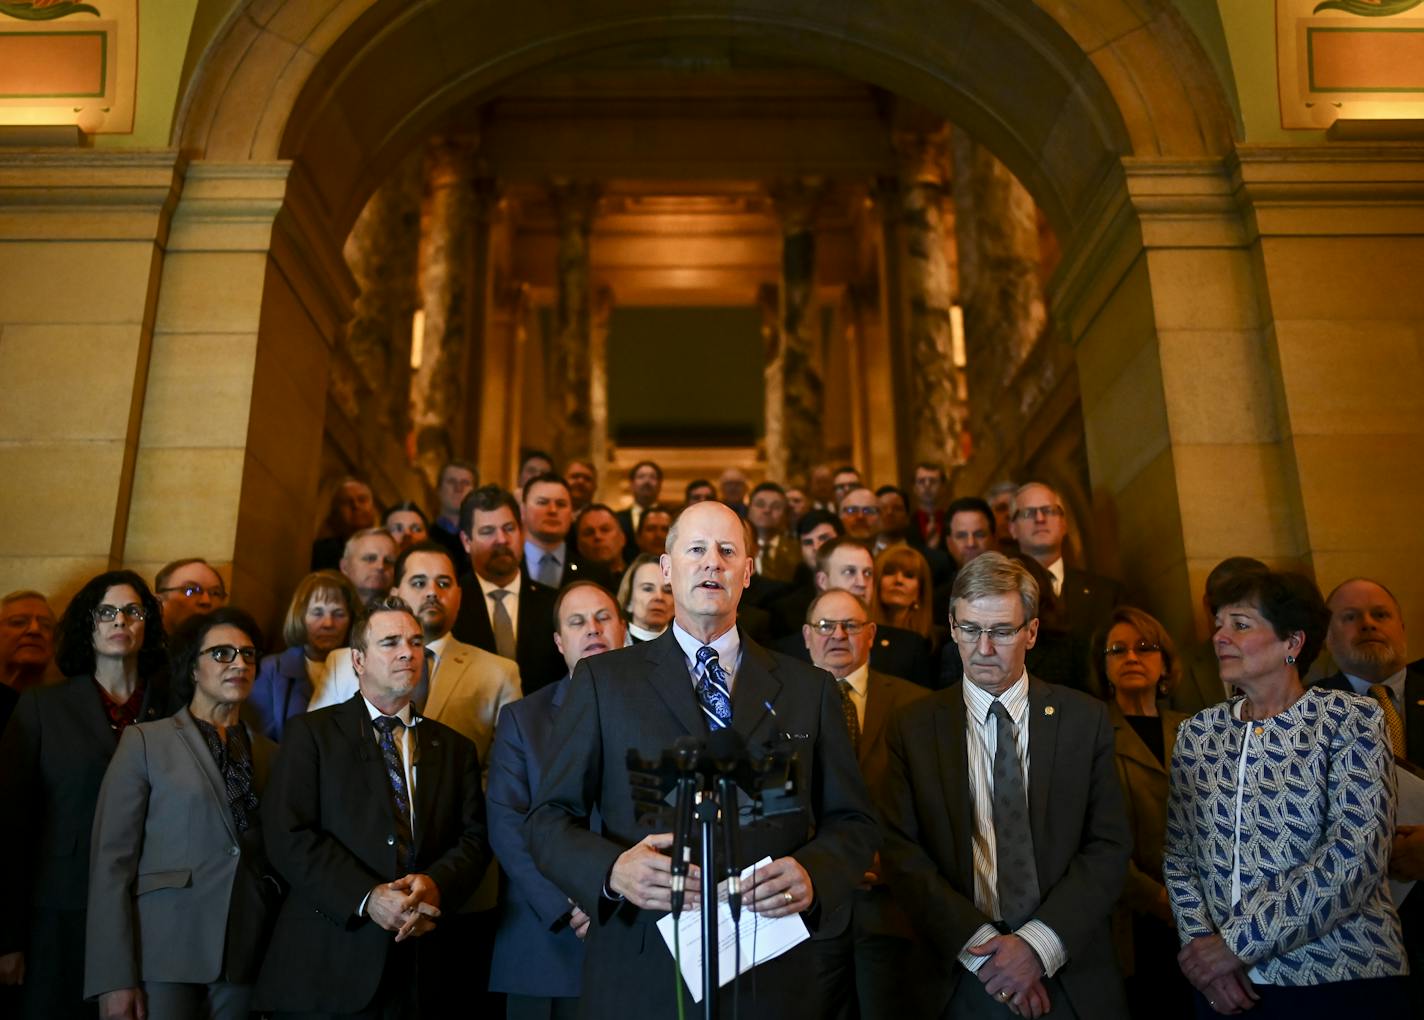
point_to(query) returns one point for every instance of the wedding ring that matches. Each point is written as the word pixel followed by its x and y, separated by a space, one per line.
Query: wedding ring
pixel 1004 995
pixel 789 898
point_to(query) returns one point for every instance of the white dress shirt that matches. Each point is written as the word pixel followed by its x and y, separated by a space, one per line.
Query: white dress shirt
pixel 859 680
pixel 1055 570
pixel 983 742
pixel 728 646
pixel 511 601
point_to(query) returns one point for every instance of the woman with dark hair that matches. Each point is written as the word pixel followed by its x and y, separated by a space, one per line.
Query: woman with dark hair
pixel 1279 823
pixel 179 893
pixel 52 760
pixel 900 593
pixel 645 598
pixel 1136 666
pixel 319 619
pixel 407 523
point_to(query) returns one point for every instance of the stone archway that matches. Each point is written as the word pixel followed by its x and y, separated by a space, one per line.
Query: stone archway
pixel 301 108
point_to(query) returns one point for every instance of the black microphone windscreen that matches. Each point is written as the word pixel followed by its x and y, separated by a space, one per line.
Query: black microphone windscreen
pixel 726 744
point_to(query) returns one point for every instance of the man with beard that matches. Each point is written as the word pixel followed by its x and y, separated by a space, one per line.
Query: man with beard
pixel 1366 640
pixel 700 676
pixel 498 598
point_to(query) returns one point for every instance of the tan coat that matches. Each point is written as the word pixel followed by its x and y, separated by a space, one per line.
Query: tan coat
pixel 1144 789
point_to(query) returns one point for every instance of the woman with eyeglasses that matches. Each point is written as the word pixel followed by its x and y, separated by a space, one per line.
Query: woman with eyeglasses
pixel 645 598
pixel 180 895
pixel 111 646
pixel 1137 668
pixel 1279 825
pixel 319 619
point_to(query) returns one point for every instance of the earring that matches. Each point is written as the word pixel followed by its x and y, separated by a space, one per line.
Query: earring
pixel 1162 687
pixel 1290 660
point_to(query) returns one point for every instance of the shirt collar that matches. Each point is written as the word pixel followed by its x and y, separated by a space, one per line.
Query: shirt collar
pixel 534 553
pixel 405 715
pixel 978 701
pixel 1056 569
pixel 438 645
pixel 859 679
pixel 727 645
pixel 513 586
pixel 643 634
pixel 1394 683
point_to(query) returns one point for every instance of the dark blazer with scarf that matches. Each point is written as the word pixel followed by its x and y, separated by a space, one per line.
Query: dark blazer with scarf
pixel 329 825
pixel 1081 840
pixel 53 756
pixel 175 890
pixel 536 953
pixel 540 663
pixel 642 697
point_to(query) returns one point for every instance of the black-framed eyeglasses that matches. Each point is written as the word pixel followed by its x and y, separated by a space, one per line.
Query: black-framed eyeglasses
pixel 828 627
pixel 108 614
pixel 192 591
pixel 1141 648
pixel 227 653
pixel 864 511
pixel 1028 513
pixel 970 633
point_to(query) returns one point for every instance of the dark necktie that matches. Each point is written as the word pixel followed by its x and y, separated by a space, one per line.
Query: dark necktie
pixel 714 690
pixel 502 624
pixel 386 726
pixel 1013 837
pixel 852 720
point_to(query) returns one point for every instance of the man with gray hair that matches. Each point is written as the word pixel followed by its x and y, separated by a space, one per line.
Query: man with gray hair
pixel 26 646
pixel 1040 525
pixel 1015 883
pixel 369 562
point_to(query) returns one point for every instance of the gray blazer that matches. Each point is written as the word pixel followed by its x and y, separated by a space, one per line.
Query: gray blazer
pixel 171 881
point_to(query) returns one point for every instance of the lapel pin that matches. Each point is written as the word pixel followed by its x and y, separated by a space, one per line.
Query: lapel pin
pixel 885 643
pixel 1047 709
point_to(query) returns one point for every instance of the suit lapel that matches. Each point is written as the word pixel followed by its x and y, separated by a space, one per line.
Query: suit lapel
pixel 754 688
pixel 474 613
pixel 354 721
pixel 668 676
pixel 192 739
pixel 1130 745
pixel 1043 714
pixel 450 664
pixel 426 755
pixel 952 748
pixel 877 694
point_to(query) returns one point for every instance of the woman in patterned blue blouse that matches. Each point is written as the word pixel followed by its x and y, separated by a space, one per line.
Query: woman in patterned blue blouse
pixel 1279 824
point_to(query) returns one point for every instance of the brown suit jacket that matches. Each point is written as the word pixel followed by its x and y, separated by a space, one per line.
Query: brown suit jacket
pixel 1144 787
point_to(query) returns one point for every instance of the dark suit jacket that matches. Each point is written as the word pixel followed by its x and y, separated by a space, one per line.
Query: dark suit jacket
pixel 1088 599
pixel 1081 840
pixel 896 651
pixel 52 761
pixel 1200 686
pixel 576 568
pixel 535 951
pixel 280 691
pixel 540 663
pixel 642 698
pixel 176 891
pixel 329 826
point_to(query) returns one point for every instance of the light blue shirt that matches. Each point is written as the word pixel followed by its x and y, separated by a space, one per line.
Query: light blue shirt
pixel 534 557
pixel 728 646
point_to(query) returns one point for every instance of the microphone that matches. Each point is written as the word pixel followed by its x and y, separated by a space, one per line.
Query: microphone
pixel 727 748
pixel 685 752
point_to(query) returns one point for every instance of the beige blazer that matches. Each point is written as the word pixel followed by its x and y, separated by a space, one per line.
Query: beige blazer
pixel 1144 790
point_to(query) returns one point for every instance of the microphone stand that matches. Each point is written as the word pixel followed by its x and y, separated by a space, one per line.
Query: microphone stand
pixel 711 949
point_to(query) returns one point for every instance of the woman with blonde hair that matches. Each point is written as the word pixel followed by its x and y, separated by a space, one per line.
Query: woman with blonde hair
pixel 322 612
pixel 901 593
pixel 1136 668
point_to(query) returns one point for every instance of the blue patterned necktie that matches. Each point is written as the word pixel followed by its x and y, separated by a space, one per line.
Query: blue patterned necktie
pixel 714 690
pixel 386 726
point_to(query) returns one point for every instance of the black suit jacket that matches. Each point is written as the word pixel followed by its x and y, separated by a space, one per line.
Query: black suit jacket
pixel 329 825
pixel 539 660
pixel 1081 840
pixel 53 756
pixel 1088 599
pixel 576 568
pixel 642 698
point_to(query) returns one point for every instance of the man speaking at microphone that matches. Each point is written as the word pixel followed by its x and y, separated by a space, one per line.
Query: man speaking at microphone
pixel 700 676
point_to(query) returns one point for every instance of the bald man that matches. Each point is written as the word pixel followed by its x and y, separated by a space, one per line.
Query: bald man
pixel 701 675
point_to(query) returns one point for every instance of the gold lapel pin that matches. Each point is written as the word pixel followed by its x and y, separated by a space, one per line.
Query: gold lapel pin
pixel 1047 709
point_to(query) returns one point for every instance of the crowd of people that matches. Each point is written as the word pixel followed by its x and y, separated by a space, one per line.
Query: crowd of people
pixel 1017 796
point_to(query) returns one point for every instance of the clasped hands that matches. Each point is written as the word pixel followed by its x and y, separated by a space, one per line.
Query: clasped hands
pixel 1214 970
pixel 642 874
pixel 408 906
pixel 1013 975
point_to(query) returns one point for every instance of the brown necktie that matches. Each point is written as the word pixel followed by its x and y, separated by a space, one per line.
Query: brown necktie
pixel 848 710
pixel 1393 724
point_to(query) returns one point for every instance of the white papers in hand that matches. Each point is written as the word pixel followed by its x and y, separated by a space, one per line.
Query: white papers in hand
pixel 763 938
pixel 1409 810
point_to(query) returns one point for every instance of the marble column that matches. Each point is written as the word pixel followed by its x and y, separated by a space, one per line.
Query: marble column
pixel 793 376
pixel 602 313
pixel 382 251
pixel 925 233
pixel 437 389
pixel 570 385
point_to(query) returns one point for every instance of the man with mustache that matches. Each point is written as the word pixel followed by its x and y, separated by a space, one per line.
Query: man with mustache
pixel 703 674
pixel 502 610
pixel 1366 640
